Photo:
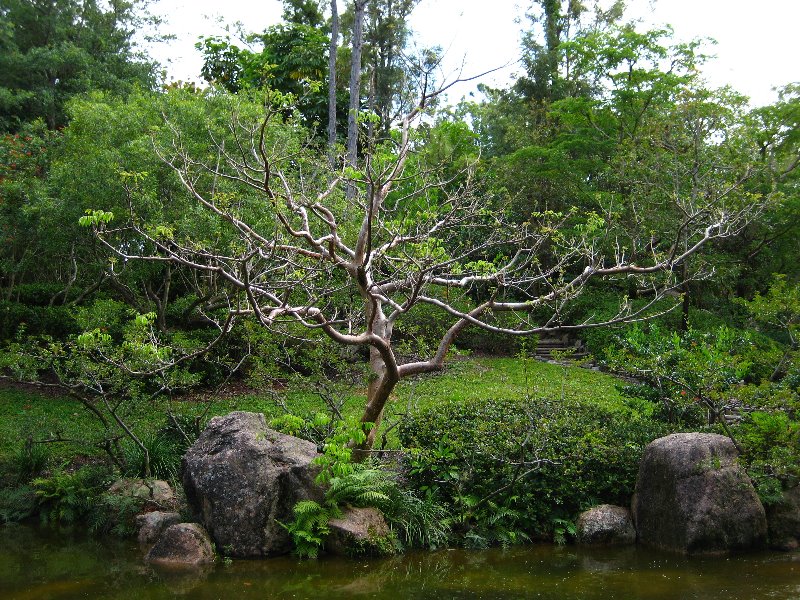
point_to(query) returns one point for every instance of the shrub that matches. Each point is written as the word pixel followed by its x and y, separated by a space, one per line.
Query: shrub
pixel 28 461
pixel 115 514
pixel 771 443
pixel 507 468
pixel 17 503
pixel 162 461
pixel 16 317
pixel 66 497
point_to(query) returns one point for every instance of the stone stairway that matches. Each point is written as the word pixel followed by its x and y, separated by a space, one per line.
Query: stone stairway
pixel 560 343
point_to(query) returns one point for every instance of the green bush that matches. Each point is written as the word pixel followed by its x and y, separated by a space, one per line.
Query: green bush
pixel 36 294
pixel 771 444
pixel 17 503
pixel 162 461
pixel 55 321
pixel 115 514
pixel 508 468
pixel 68 497
pixel 28 461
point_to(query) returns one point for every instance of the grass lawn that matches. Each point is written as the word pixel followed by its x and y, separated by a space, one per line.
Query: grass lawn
pixel 25 413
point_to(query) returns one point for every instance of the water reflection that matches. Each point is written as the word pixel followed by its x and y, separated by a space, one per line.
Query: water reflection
pixel 50 564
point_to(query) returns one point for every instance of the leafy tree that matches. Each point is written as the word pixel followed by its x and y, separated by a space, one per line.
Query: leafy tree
pixel 354 265
pixel 292 60
pixel 25 159
pixel 386 37
pixel 551 72
pixel 646 135
pixel 779 308
pixel 55 49
pixel 769 244
pixel 304 12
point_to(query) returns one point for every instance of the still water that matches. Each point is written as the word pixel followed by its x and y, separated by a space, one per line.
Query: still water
pixel 43 565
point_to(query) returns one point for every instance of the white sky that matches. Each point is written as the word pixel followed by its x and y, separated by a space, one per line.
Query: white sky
pixel 757 45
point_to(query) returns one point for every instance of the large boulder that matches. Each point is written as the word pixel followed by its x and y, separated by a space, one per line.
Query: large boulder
pixel 606 525
pixel 693 497
pixel 360 532
pixel 183 544
pixel 243 480
pixel 783 521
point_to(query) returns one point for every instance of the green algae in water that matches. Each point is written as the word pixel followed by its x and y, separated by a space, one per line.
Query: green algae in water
pixel 45 564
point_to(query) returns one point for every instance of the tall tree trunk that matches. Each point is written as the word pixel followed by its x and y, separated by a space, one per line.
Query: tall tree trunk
pixel 360 7
pixel 334 45
pixel 552 33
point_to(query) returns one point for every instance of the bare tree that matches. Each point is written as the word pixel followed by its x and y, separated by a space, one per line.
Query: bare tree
pixel 355 266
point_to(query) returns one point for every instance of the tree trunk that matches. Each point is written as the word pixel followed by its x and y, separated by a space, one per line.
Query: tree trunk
pixel 355 82
pixel 334 45
pixel 381 385
pixel 684 324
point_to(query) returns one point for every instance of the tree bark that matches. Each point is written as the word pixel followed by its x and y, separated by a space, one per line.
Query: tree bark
pixel 381 385
pixel 355 82
pixel 334 45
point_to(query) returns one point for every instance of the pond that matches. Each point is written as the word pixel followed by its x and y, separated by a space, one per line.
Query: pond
pixel 44 564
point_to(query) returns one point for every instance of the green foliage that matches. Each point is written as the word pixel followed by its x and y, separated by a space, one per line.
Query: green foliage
pixel 362 486
pixel 62 48
pixel 115 514
pixel 114 369
pixel 513 467
pixel 337 448
pixel 162 459
pixel 29 461
pixel 292 60
pixel 17 319
pixel 780 306
pixel 420 522
pixel 309 528
pixel 696 373
pixel 17 503
pixel 771 441
pixel 68 497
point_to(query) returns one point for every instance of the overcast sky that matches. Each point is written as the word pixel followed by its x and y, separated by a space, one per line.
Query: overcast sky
pixel 757 47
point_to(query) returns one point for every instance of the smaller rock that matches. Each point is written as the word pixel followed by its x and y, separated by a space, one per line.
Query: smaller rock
pixel 157 493
pixel 360 532
pixel 783 521
pixel 606 524
pixel 152 524
pixel 184 544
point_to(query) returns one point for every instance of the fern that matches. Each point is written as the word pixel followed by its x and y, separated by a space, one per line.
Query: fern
pixel 16 504
pixel 420 522
pixel 361 487
pixel 310 527
pixel 68 497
